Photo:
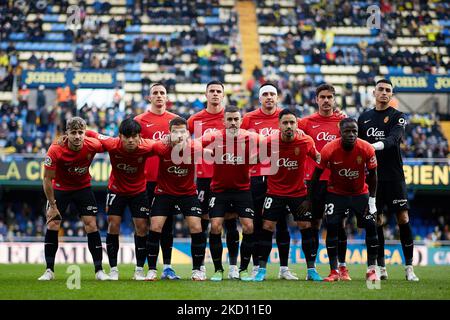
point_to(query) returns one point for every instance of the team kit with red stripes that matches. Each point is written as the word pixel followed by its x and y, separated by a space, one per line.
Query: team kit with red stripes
pixel 218 167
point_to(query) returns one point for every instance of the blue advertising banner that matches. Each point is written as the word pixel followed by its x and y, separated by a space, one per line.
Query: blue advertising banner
pixel 421 83
pixel 54 78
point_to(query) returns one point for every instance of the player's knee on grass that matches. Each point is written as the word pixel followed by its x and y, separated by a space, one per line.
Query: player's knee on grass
pixel 402 217
pixel 269 225
pixel 141 227
pixel 90 224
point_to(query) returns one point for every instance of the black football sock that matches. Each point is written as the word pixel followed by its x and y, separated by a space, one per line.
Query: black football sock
pixel 112 248
pixel 332 243
pixel 371 242
pixel 257 231
pixel 247 247
pixel 232 240
pixel 50 248
pixel 140 245
pixel 316 241
pixel 205 224
pixel 342 244
pixel 380 256
pixel 167 240
pixel 307 247
pixel 264 247
pixel 153 249
pixel 198 246
pixel 406 238
pixel 216 248
pixel 95 247
pixel 283 242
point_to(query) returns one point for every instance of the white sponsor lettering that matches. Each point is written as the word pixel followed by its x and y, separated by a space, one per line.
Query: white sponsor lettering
pixel 325 136
pixel 373 132
pixel 229 157
pixel 285 162
pixel 268 131
pixel 209 131
pixel 349 173
pixel 127 168
pixel 78 170
pixel 159 135
pixel 178 171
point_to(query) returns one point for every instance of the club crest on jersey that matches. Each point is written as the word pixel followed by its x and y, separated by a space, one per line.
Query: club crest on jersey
pixel 89 156
pixel 48 161
pixel 297 151
pixel 386 119
pixel 358 159
pixel 140 159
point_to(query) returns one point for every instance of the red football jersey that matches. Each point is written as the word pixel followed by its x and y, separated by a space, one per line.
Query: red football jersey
pixel 72 167
pixel 348 167
pixel 155 127
pixel 233 158
pixel 262 124
pixel 127 168
pixel 201 123
pixel 176 172
pixel 288 181
pixel 322 130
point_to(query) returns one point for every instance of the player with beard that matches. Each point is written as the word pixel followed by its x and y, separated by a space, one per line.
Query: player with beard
pixel 323 127
pixel 205 122
pixel 264 121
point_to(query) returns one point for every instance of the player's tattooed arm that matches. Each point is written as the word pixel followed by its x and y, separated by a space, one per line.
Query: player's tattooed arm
pixel 52 210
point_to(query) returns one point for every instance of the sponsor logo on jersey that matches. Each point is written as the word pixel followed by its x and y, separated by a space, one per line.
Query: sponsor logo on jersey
pixel 349 173
pixel 386 119
pixel 285 162
pixel 127 168
pixel 159 135
pixel 181 172
pixel 359 159
pixel 229 157
pixel 78 170
pixel 102 137
pixel 210 130
pixel 268 131
pixel 374 132
pixel 325 136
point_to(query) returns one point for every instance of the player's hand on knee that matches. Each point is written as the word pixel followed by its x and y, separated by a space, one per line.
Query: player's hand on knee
pixel 53 214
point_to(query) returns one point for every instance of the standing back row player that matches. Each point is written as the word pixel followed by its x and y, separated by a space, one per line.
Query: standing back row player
pixel 155 125
pixel 264 121
pixel 323 127
pixel 205 122
pixel 384 128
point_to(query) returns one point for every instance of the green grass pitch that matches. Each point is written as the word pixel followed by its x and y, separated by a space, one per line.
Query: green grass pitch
pixel 19 282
